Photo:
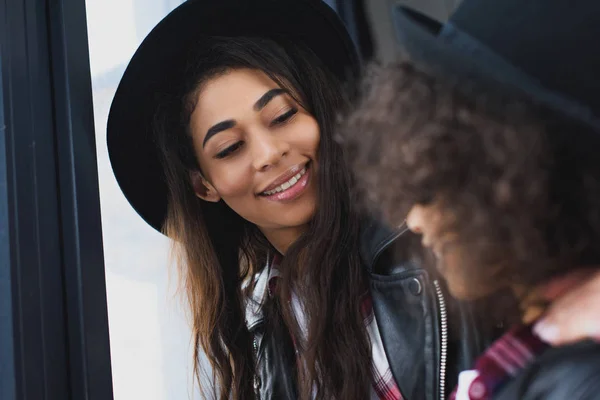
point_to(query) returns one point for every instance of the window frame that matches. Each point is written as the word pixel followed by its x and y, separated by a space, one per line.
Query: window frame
pixel 53 317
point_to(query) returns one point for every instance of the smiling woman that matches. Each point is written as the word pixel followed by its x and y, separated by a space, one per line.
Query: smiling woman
pixel 240 138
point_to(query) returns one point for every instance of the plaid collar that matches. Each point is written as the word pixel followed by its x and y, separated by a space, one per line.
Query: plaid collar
pixel 503 360
pixel 384 384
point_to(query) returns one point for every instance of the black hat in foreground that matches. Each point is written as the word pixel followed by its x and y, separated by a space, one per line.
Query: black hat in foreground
pixel 547 49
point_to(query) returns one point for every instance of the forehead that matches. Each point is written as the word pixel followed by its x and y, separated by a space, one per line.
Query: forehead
pixel 230 94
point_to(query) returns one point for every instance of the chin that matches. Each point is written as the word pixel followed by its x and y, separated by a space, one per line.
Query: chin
pixel 468 291
pixel 460 292
pixel 463 283
pixel 302 213
pixel 293 222
pixel 300 220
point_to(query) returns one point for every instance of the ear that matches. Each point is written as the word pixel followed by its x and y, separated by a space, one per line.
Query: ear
pixel 203 188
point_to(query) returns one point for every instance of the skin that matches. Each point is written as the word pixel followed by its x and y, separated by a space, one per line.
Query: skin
pixel 573 312
pixel 264 143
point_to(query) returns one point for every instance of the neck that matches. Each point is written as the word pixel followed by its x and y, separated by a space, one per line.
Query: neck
pixel 531 303
pixel 283 238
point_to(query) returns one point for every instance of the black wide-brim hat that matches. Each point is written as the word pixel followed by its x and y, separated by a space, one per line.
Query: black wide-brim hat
pixel 158 64
pixel 548 50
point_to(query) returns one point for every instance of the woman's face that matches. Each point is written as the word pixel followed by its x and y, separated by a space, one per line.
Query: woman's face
pixel 257 150
pixel 464 282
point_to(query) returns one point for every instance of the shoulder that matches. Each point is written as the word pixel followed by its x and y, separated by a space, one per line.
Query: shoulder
pixel 568 372
pixel 387 251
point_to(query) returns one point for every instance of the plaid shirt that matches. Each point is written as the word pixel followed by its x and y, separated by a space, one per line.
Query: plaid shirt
pixel 384 385
pixel 505 358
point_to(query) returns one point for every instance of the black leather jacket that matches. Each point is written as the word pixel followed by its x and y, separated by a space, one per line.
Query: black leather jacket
pixel 565 373
pixel 412 309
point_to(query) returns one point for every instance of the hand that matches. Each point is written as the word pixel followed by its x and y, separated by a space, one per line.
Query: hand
pixel 574 314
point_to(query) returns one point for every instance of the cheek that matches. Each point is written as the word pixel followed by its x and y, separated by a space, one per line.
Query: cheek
pixel 306 137
pixel 232 181
pixel 235 190
pixel 468 282
pixel 452 270
pixel 315 140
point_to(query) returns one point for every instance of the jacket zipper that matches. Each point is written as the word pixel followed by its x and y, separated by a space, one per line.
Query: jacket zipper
pixel 256 377
pixel 444 344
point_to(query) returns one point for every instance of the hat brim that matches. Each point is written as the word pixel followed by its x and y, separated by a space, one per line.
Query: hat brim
pixel 458 55
pixel 420 37
pixel 160 59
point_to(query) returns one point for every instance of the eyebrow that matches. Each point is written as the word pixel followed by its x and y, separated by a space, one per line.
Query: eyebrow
pixel 220 127
pixel 230 123
pixel 267 97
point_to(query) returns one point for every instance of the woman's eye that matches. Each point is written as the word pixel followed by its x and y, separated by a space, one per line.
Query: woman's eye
pixel 229 150
pixel 284 117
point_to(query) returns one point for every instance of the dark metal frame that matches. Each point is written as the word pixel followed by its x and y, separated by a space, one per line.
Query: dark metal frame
pixel 53 319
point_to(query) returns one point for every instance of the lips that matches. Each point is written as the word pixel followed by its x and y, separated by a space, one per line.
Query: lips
pixel 286 180
pixel 288 184
pixel 292 189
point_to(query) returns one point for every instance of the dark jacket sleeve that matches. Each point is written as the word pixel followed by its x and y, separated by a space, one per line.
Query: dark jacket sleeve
pixel 565 373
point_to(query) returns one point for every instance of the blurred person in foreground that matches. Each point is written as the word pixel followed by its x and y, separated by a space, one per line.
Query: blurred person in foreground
pixel 506 195
pixel 543 49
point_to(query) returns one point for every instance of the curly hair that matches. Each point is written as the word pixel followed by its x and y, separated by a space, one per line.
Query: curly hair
pixel 521 183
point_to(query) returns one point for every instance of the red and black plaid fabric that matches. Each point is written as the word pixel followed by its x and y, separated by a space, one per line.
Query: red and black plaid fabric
pixel 505 358
pixel 384 385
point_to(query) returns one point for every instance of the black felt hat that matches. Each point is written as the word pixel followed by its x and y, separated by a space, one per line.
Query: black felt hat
pixel 157 65
pixel 547 49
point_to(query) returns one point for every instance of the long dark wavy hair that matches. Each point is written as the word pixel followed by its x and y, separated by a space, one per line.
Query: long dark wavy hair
pixel 520 182
pixel 220 252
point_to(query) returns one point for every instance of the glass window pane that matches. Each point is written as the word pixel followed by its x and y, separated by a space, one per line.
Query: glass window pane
pixel 149 335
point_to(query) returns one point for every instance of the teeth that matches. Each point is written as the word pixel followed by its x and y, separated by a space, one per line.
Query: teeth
pixel 286 185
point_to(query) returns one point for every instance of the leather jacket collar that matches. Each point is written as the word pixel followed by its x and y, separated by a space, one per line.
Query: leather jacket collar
pixel 374 238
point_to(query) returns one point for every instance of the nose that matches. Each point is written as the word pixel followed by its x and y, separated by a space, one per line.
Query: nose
pixel 414 219
pixel 268 150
